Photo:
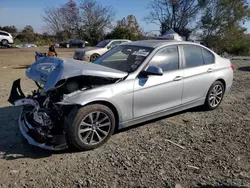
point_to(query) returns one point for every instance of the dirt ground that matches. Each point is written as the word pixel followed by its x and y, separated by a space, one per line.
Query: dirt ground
pixel 215 152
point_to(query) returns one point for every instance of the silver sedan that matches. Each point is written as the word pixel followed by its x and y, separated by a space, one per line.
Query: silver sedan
pixel 80 104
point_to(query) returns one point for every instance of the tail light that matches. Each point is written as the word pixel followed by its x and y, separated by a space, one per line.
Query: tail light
pixel 232 66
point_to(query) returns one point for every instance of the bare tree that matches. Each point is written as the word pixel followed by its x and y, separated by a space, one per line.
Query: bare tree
pixel 71 21
pixel 88 21
pixel 174 14
pixel 95 19
pixel 53 20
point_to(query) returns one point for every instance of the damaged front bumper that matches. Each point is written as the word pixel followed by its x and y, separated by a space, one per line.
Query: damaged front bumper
pixel 56 143
pixel 27 124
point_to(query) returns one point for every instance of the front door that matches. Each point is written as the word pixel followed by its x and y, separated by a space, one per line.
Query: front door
pixel 157 93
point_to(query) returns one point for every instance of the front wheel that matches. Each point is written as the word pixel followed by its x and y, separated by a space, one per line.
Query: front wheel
pixel 214 96
pixel 92 127
pixel 94 57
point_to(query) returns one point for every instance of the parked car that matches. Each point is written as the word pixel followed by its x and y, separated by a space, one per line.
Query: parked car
pixel 93 53
pixel 81 104
pixel 29 46
pixel 73 43
pixel 5 38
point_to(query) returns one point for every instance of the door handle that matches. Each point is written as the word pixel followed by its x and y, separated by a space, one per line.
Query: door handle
pixel 177 78
pixel 210 70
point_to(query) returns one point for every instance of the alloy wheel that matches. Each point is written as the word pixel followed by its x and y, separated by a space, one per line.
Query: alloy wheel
pixel 215 96
pixel 94 128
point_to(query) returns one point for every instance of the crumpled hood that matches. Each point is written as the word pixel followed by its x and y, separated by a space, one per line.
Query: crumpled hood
pixel 50 70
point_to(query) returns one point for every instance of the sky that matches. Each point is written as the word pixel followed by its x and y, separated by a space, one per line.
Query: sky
pixel 29 12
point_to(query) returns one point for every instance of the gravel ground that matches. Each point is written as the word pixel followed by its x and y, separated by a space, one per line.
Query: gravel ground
pixel 213 147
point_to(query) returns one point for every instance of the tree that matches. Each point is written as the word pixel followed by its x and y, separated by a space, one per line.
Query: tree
pixel 71 21
pixel 223 18
pixel 88 21
pixel 52 17
pixel 27 34
pixel 126 28
pixel 175 14
pixel 96 19
pixel 28 29
pixel 120 33
pixel 9 29
pixel 130 22
pixel 233 42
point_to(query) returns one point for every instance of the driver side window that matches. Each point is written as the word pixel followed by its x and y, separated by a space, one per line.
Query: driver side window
pixel 167 59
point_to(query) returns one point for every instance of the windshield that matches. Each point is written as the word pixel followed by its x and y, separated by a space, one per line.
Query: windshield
pixel 103 43
pixel 126 58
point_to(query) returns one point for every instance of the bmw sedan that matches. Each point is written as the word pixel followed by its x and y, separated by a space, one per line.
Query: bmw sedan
pixel 80 104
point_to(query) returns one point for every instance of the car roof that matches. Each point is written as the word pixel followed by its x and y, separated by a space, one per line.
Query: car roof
pixel 4 31
pixel 157 43
pixel 119 39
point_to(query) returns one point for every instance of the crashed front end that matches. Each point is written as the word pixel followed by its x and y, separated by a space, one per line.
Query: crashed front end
pixel 41 120
pixel 44 119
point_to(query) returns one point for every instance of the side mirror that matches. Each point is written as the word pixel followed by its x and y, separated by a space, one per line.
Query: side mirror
pixel 153 70
pixel 109 47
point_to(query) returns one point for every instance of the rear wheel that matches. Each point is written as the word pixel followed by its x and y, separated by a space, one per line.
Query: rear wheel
pixel 92 127
pixel 94 57
pixel 214 96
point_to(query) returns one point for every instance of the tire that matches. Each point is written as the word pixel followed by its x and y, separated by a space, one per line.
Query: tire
pixel 4 42
pixel 67 46
pixel 94 57
pixel 84 135
pixel 214 96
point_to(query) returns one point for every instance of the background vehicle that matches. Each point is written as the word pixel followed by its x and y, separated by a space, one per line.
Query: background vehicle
pixel 93 53
pixel 73 43
pixel 83 103
pixel 5 38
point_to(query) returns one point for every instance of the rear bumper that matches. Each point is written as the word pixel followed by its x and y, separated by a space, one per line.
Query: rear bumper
pixel 26 129
pixel 228 88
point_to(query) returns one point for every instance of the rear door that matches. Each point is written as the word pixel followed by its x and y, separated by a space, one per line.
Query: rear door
pixel 74 43
pixel 198 72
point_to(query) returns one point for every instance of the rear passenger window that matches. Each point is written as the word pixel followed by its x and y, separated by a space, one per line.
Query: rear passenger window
pixel 208 57
pixel 167 59
pixel 193 55
pixel 1 33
